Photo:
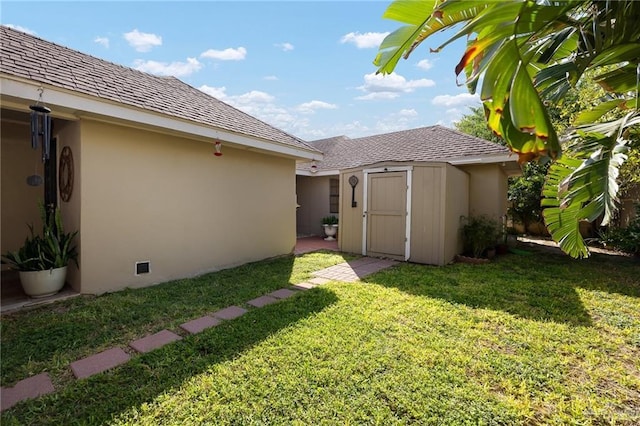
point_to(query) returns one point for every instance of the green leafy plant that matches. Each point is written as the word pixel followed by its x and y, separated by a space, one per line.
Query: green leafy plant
pixel 53 249
pixel 624 239
pixel 329 220
pixel 479 233
pixel 522 56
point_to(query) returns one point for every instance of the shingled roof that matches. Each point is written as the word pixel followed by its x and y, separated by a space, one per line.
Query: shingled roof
pixel 23 55
pixel 424 144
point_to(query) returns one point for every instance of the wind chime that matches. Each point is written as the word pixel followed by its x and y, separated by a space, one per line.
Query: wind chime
pixel 41 127
pixel 40 134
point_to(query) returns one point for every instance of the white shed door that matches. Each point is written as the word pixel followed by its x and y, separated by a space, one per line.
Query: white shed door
pixel 386 214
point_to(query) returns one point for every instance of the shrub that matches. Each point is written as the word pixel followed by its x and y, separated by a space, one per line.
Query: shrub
pixel 479 233
pixel 624 239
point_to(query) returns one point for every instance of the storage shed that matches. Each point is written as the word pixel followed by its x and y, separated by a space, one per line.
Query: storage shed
pixel 403 194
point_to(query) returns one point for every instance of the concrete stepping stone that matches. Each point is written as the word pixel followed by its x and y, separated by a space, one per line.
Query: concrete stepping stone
pixel 261 301
pixel 200 324
pixel 283 293
pixel 30 388
pixel 98 363
pixel 318 281
pixel 303 286
pixel 154 341
pixel 230 313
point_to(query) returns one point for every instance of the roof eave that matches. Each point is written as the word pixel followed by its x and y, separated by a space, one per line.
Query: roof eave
pixel 81 105
pixel 483 159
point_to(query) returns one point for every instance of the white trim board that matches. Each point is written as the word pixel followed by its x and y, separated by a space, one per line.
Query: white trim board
pixel 80 105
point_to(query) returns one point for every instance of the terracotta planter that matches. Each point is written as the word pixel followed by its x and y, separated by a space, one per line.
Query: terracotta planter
pixel 330 231
pixel 43 283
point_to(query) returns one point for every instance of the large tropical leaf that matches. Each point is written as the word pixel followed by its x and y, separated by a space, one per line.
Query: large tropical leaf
pixel 528 53
pixel 583 184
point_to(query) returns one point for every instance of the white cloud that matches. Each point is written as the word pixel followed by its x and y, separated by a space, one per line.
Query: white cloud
pixel 286 47
pixel 408 113
pixel 21 29
pixel 270 78
pixel 376 96
pixel 142 42
pixel 378 86
pixel 460 99
pixel 176 69
pixel 425 64
pixel 229 54
pixel 216 92
pixel 252 97
pixel 311 107
pixel 364 41
pixel 104 41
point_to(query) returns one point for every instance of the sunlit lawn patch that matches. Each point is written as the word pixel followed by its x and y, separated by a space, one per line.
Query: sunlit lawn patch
pixel 523 340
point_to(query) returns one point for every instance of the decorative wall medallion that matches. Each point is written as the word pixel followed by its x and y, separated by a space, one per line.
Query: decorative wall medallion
pixel 65 174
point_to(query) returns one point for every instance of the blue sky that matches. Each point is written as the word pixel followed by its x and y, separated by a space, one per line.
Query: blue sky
pixel 305 67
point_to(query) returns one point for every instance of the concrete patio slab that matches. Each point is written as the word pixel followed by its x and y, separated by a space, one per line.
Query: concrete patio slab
pixel 261 301
pixel 98 363
pixel 303 286
pixel 154 341
pixel 30 388
pixel 230 313
pixel 354 270
pixel 200 324
pixel 283 293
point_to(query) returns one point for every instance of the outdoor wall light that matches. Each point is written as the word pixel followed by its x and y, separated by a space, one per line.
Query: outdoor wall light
pixel 41 127
pixel 314 167
pixel 218 149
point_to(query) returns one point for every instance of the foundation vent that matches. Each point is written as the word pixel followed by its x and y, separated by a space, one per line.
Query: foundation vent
pixel 143 267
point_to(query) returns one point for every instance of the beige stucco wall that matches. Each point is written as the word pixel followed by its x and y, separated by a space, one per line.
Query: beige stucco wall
pixel 68 134
pixel 350 230
pixel 487 190
pixel 313 198
pixel 19 201
pixel 146 196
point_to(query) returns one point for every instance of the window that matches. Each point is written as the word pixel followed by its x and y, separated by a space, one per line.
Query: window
pixel 334 196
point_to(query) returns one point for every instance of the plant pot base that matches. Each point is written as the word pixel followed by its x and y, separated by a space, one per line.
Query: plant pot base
pixel 38 284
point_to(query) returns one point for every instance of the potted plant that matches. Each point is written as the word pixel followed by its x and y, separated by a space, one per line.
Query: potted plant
pixel 330 226
pixel 480 235
pixel 42 260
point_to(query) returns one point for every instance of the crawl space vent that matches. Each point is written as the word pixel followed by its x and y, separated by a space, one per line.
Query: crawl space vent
pixel 143 268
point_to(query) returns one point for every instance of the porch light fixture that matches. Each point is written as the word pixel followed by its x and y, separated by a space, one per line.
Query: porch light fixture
pixel 41 127
pixel 218 149
pixel 314 167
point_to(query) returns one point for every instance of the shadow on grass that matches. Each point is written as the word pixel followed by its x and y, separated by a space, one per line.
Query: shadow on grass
pixel 78 327
pixel 99 399
pixel 540 286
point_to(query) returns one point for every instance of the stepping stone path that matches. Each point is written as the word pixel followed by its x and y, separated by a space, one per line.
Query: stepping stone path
pixel 32 387
pixel 41 384
pixel 155 341
pixel 261 301
pixel 200 324
pixel 98 363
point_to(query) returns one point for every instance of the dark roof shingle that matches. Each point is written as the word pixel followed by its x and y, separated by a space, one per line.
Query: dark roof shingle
pixel 30 57
pixel 424 144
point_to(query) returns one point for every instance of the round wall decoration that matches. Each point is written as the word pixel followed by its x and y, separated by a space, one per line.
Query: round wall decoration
pixel 65 174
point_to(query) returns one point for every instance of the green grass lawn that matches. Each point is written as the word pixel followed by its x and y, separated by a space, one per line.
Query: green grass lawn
pixel 537 339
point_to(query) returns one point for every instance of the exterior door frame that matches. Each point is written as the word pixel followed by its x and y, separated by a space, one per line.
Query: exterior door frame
pixel 365 202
